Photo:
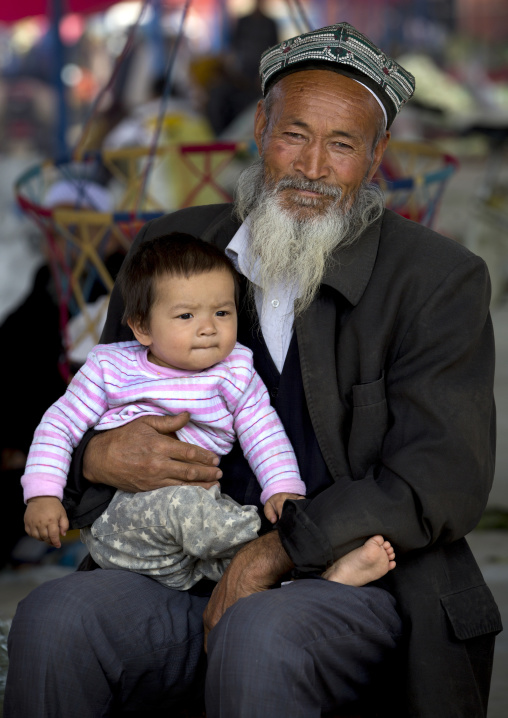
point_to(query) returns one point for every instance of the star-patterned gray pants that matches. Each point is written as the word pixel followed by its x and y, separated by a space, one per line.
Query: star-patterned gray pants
pixel 177 535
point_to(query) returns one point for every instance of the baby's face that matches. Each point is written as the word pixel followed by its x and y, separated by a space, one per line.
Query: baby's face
pixel 193 321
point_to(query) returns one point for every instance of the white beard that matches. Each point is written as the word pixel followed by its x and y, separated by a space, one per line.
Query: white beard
pixel 295 247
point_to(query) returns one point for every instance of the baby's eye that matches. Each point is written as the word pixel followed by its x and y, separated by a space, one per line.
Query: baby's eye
pixel 187 315
pixel 222 313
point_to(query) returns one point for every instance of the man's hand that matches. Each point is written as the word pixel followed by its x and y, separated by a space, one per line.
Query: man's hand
pixel 256 567
pixel 45 519
pixel 144 455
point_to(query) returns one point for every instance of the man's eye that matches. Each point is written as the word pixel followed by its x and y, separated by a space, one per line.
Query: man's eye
pixel 187 315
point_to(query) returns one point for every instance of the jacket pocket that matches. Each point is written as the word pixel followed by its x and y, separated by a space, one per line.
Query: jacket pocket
pixel 368 427
pixel 472 612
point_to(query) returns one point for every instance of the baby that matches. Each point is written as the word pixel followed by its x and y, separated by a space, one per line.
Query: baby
pixel 180 303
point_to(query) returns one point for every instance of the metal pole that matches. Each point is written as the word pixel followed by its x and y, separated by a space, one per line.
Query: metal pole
pixel 58 63
pixel 156 35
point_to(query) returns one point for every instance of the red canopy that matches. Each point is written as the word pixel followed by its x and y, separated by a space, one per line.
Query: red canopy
pixel 13 10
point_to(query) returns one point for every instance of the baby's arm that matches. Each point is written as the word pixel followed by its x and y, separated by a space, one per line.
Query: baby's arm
pixel 45 519
pixel 61 428
pixel 266 446
pixel 273 506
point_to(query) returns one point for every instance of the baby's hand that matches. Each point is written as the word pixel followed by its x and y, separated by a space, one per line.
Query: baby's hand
pixel 45 519
pixel 273 507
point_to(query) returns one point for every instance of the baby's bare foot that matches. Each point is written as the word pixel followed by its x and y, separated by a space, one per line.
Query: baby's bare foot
pixel 363 565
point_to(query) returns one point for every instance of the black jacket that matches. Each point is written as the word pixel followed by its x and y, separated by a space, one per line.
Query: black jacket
pixel 397 361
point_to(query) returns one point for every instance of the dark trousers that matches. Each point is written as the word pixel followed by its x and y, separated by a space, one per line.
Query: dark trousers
pixel 108 643
pixel 305 649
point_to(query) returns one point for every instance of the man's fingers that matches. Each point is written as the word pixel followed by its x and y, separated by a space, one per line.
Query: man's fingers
pixel 191 454
pixel 143 455
pixel 174 463
pixel 167 424
pixel 180 450
pixel 181 461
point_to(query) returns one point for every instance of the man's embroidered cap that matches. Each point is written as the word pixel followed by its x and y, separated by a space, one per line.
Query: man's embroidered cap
pixel 343 49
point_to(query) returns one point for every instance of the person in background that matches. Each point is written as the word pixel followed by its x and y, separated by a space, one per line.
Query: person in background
pixel 236 86
pixel 252 35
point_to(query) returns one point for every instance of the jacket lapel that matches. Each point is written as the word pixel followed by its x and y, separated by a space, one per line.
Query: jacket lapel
pixel 318 332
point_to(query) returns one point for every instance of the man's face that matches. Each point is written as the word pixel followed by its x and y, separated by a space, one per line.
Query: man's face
pixel 321 130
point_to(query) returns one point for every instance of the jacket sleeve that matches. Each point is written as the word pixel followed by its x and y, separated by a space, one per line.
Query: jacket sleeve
pixel 430 482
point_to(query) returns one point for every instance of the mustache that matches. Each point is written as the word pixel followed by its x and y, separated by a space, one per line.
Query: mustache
pixel 309 186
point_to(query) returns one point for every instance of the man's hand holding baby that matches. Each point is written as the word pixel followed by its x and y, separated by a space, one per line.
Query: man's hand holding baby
pixel 145 454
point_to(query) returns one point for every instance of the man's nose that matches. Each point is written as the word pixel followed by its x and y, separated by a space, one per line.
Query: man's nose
pixel 312 161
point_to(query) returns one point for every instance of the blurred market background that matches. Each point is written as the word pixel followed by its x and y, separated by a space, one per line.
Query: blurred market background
pixel 115 112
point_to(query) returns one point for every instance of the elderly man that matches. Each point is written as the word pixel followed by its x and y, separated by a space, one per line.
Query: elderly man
pixel 374 338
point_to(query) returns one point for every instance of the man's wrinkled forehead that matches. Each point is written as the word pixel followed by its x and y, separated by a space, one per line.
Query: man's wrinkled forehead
pixel 306 83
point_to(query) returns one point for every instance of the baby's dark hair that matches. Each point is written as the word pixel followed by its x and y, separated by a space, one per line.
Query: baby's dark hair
pixel 177 254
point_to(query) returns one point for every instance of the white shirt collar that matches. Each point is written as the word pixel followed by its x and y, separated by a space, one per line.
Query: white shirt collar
pixel 238 251
pixel 276 310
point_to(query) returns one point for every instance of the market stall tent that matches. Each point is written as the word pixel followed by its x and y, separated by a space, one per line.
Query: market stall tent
pixel 13 11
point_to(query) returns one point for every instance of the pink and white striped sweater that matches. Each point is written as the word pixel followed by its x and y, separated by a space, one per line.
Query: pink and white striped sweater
pixel 118 384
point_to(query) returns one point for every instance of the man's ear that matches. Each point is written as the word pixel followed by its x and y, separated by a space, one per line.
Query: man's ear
pixel 141 333
pixel 260 123
pixel 378 153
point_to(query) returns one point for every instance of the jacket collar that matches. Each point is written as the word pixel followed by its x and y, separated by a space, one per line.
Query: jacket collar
pixel 359 258
pixel 222 229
